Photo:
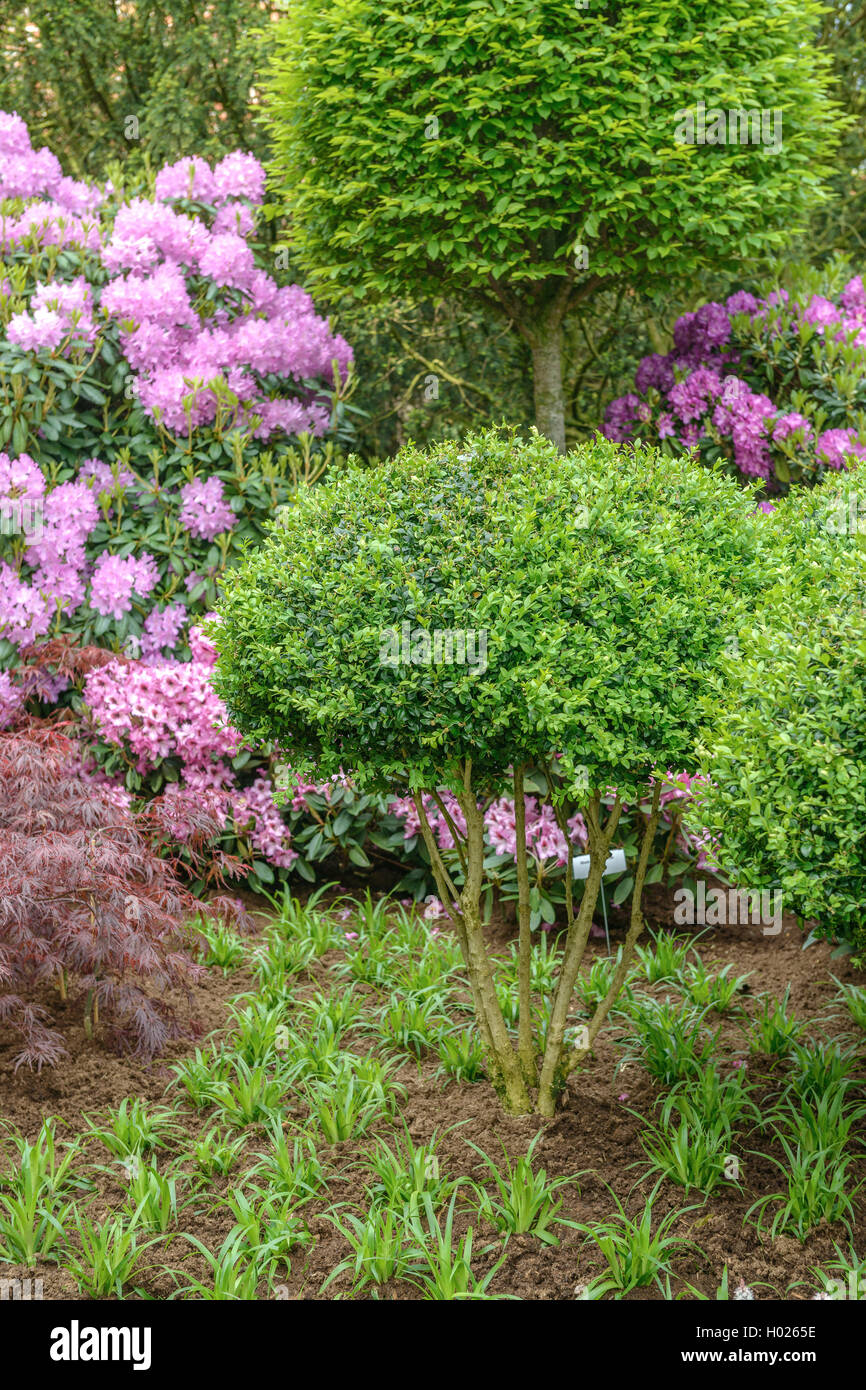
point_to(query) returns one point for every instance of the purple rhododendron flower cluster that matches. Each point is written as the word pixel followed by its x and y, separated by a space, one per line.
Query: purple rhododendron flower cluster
pixel 159 321
pixel 162 629
pixel 699 395
pixel 184 294
pixel 115 580
pixel 53 572
pixel 12 699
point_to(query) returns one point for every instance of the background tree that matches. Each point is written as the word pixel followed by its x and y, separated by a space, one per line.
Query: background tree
pixel 97 80
pixel 840 224
pixel 525 154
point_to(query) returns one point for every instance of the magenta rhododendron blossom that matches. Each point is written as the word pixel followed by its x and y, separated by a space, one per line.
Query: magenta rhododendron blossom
pixel 792 423
pixel 698 395
pixel 835 446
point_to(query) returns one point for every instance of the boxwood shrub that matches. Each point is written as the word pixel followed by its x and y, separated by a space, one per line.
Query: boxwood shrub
pixel 788 789
pixel 592 598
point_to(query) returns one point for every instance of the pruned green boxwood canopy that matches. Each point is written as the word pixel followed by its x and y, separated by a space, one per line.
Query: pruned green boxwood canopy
pixel 788 791
pixel 596 594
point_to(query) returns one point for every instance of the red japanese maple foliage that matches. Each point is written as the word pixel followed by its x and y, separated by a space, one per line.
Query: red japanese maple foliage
pixel 87 901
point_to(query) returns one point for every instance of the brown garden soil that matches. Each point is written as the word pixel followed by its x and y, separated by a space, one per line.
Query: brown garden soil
pixel 594 1136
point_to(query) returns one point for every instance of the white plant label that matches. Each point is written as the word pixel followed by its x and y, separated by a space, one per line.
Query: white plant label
pixel 615 864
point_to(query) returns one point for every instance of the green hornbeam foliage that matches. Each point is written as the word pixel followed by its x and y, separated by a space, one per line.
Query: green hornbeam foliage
pixel 96 80
pixel 788 791
pixel 591 597
pixel 531 155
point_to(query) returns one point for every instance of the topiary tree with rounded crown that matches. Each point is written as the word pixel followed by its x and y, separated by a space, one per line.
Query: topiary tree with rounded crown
pixel 527 156
pixel 458 618
pixel 787 774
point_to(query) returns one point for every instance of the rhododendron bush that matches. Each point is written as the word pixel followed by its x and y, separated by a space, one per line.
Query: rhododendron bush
pixel 775 386
pixel 154 379
pixel 161 727
pixel 160 397
pixel 677 851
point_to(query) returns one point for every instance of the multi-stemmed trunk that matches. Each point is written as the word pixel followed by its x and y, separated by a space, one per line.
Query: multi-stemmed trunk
pixel 531 1076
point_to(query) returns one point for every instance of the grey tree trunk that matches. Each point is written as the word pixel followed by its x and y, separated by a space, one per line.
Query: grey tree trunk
pixel 546 346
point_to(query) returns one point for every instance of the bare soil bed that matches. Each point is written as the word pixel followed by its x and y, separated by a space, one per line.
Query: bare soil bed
pixel 595 1140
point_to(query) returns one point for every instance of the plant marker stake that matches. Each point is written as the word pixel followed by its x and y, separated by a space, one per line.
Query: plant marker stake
pixel 614 864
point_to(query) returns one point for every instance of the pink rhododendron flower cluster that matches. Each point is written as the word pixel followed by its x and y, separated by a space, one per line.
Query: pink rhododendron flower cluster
pixel 160 709
pixel 57 312
pixel 115 580
pixel 698 394
pixel 164 709
pixel 185 297
pixel 162 628
pixel 205 512
pixel 256 815
pixel 11 699
pixel 29 173
pixel 52 571
pixel 544 839
pixel 25 613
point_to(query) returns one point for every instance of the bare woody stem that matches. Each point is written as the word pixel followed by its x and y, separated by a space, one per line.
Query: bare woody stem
pixel 552 1075
pixel 448 895
pixel 453 828
pixel 525 1044
pixel 636 926
pixel 513 1089
pixel 562 822
pixel 447 892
